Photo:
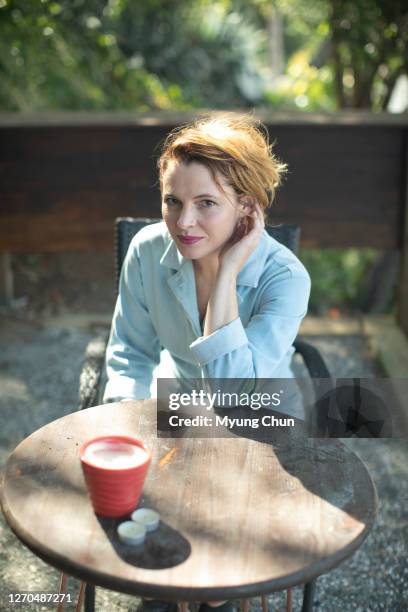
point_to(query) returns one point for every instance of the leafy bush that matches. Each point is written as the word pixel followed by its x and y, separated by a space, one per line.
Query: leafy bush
pixel 339 278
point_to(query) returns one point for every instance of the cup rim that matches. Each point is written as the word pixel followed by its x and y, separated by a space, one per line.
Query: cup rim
pixel 129 439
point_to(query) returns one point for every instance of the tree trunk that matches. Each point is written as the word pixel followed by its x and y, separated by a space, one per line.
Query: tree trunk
pixel 336 57
pixel 275 39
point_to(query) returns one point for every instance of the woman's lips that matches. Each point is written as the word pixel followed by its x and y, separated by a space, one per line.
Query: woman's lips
pixel 189 239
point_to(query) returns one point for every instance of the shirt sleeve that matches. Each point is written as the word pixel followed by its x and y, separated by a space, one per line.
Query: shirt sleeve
pixel 133 349
pixel 257 350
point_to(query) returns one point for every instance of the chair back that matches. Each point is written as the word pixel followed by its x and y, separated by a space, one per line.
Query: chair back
pixel 127 227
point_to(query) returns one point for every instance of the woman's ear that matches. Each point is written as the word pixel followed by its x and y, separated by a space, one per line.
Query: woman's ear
pixel 246 205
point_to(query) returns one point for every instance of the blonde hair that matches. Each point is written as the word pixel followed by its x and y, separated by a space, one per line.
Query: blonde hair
pixel 232 145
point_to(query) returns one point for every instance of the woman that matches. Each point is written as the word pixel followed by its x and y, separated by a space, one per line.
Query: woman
pixel 208 283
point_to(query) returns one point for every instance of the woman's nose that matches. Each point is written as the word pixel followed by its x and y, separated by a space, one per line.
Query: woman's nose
pixel 186 218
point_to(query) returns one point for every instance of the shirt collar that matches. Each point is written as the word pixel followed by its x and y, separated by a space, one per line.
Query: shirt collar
pixel 249 273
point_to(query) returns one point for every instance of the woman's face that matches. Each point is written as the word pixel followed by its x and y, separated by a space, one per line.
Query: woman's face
pixel 194 208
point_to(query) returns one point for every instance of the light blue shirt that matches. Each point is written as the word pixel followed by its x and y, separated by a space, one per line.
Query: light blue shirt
pixel 157 307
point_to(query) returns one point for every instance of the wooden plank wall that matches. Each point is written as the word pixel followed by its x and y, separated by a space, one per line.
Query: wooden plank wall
pixel 64 177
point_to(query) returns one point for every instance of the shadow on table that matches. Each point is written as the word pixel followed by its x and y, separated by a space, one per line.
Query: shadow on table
pixel 324 466
pixel 163 548
pixel 29 475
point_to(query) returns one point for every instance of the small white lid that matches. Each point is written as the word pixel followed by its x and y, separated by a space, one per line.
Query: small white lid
pixel 131 532
pixel 148 518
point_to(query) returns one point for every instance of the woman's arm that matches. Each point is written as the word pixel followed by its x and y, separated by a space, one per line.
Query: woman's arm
pixel 257 350
pixel 227 349
pixel 223 306
pixel 133 349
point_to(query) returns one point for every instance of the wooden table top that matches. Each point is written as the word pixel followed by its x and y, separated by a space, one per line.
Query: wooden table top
pixel 240 516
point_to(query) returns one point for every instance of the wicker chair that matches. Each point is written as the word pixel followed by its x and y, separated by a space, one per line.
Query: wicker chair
pixel 91 374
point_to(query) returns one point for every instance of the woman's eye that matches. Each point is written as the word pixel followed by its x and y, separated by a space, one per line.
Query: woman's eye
pixel 203 204
pixel 171 201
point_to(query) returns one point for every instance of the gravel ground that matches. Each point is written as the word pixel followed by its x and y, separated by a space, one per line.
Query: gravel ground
pixel 39 369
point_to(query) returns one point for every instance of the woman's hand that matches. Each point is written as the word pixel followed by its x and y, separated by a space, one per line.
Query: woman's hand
pixel 222 306
pixel 237 250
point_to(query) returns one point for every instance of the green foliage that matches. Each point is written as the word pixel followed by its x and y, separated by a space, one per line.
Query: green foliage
pixel 162 54
pixel 212 51
pixel 345 54
pixel 338 276
pixel 303 87
pixel 66 56
pixel 369 50
pixel 122 54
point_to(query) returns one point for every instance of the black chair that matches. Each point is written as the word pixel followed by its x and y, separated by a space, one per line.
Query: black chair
pixel 90 378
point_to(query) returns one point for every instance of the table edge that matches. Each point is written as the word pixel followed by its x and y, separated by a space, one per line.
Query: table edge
pixel 182 593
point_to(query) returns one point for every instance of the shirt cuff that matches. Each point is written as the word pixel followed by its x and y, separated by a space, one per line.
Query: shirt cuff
pixel 224 340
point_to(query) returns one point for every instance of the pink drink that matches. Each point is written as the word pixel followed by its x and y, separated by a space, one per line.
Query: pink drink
pixel 114 454
pixel 115 468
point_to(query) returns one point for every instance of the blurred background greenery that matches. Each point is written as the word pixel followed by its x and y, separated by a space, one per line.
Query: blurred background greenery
pixel 318 55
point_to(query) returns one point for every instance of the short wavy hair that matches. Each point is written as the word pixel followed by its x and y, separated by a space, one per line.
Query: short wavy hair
pixel 232 145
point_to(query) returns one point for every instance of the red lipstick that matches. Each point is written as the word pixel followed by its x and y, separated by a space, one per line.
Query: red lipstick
pixel 189 239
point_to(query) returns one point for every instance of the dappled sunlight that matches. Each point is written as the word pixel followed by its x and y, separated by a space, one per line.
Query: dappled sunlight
pixel 14 388
pixel 205 481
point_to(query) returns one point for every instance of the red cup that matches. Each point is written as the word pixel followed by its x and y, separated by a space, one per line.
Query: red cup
pixel 115 469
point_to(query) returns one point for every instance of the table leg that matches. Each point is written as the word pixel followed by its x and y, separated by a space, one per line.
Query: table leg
pixel 62 590
pixel 89 598
pixel 245 605
pixel 289 601
pixel 81 596
pixel 264 603
pixel 308 595
pixel 183 606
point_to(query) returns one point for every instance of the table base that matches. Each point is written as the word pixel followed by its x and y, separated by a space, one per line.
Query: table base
pixel 87 596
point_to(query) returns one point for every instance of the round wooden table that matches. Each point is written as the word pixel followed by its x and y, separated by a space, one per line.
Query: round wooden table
pixel 240 516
